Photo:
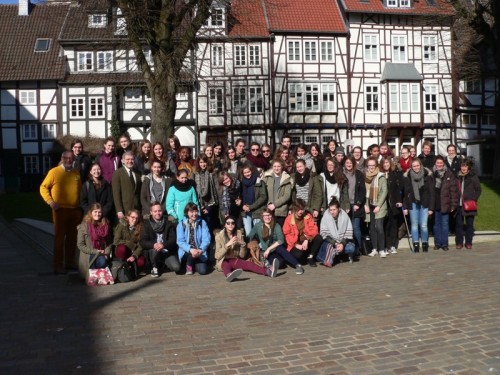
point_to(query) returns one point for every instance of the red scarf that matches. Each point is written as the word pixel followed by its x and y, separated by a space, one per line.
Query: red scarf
pixel 98 235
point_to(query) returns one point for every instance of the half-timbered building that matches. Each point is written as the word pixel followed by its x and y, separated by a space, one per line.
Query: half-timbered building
pixel 31 69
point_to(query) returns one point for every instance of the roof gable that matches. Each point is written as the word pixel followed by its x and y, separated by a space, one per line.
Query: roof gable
pixel 318 16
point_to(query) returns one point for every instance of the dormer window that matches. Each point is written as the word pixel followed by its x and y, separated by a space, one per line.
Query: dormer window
pixel 398 3
pixel 216 19
pixel 98 20
pixel 42 45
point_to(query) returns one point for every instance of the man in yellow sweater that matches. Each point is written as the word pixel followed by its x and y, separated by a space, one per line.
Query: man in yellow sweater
pixel 61 190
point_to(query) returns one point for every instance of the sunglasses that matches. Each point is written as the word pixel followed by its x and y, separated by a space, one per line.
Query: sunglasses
pixel 266 150
pixel 255 149
pixel 230 222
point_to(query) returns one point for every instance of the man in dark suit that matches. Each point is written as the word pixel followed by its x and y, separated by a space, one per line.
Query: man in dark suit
pixel 126 186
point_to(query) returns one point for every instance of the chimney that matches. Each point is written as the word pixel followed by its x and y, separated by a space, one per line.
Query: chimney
pixel 24 7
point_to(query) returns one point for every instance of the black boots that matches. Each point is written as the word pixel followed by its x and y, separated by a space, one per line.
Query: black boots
pixel 425 247
pixel 416 247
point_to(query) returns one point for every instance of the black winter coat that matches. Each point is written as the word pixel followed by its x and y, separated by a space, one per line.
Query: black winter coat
pixel 395 191
pixel 470 188
pixel 427 191
pixel 359 194
pixel 447 197
pixel 104 196
pixel 149 238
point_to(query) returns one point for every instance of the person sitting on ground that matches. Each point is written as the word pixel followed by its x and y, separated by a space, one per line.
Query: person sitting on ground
pixel 158 239
pixel 301 234
pixel 93 241
pixel 336 231
pixel 193 238
pixel 230 253
pixel 271 242
pixel 127 239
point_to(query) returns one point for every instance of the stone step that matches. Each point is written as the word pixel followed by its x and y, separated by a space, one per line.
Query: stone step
pixel 36 233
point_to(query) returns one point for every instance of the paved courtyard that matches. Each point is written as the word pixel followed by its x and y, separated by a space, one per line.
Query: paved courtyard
pixel 435 313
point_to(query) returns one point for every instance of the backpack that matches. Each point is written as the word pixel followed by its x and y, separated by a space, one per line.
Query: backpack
pixel 123 271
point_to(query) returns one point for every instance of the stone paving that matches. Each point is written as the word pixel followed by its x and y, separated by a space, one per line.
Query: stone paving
pixel 435 313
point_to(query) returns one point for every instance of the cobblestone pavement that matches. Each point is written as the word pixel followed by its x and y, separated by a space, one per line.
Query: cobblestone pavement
pixel 435 313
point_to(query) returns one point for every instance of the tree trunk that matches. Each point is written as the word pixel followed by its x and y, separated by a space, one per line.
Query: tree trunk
pixel 163 111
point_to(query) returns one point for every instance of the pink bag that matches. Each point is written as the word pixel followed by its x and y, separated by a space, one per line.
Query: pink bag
pixel 100 276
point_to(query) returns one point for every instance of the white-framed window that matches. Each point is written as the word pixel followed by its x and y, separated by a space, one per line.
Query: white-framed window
pixel 77 107
pixel 31 164
pixel 312 97
pixel 469 119
pixel 295 97
pixel 399 49
pixel 370 47
pixel 311 139
pixel 217 55
pixel 216 101
pixel 256 99
pixel 431 98
pixel 310 50
pixel 372 98
pixel 328 92
pixel 98 20
pixel 216 19
pixel 404 97
pixel 239 100
pixel 240 55
pixel 488 119
pixel 27 97
pixel 96 107
pixel 85 61
pixel 398 3
pixel 49 131
pixel 326 51
pixel 46 163
pixel 133 94
pixel 429 48
pixel 295 139
pixel 472 86
pixel 294 50
pixel 104 61
pixel 326 138
pixel 254 55
pixel 30 132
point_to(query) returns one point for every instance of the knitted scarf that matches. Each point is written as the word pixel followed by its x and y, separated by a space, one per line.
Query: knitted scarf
pixel 371 183
pixel 438 176
pixel 182 186
pixel 417 181
pixel 405 164
pixel 158 226
pixel 248 193
pixel 330 177
pixel 302 179
pixel 98 234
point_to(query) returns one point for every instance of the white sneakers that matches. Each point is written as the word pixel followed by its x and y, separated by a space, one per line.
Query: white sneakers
pixel 373 253
pixel 382 254
pixel 393 250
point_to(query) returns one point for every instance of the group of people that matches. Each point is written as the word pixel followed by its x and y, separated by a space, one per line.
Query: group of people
pixel 258 212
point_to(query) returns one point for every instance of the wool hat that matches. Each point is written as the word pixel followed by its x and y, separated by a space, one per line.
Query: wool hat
pixel 339 150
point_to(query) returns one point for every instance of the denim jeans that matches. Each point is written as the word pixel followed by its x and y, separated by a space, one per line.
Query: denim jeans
pixel 248 223
pixel 459 228
pixel 349 249
pixel 441 222
pixel 356 227
pixel 198 265
pixel 418 217
pixel 100 262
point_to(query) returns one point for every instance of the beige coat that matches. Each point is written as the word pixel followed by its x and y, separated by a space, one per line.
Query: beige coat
pixel 221 250
pixel 86 249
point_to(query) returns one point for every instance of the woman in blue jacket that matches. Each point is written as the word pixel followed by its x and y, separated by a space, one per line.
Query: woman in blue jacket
pixel 179 195
pixel 193 239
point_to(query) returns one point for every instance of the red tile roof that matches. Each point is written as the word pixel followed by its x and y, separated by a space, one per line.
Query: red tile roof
pixel 419 7
pixel 18 60
pixel 321 16
pixel 247 19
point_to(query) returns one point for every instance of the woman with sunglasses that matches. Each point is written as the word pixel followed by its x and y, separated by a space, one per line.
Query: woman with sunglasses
pixel 230 252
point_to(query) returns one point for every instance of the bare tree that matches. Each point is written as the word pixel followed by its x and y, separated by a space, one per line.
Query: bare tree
pixel 169 29
pixel 478 29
